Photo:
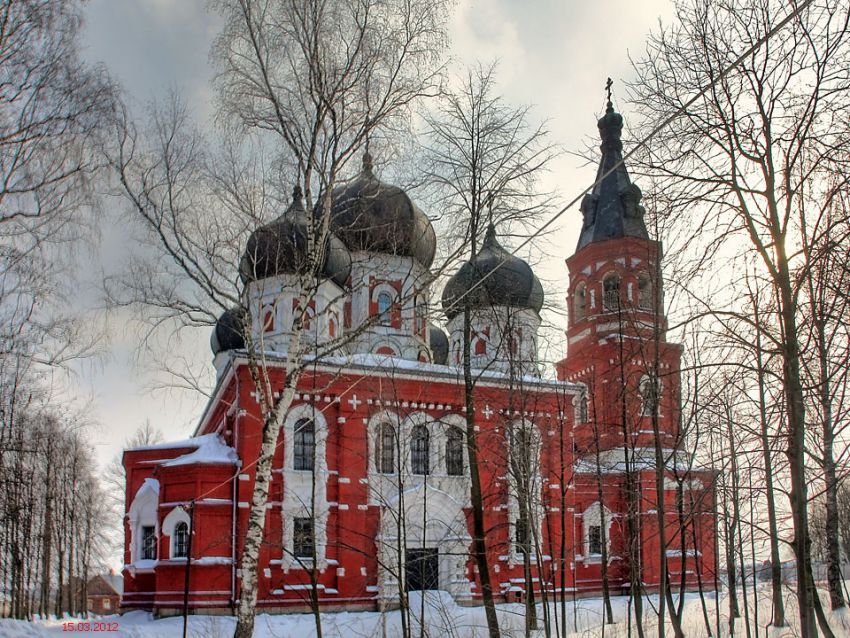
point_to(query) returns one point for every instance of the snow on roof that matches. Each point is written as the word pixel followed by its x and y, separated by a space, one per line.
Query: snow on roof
pixel 149 484
pixel 640 460
pixel 195 441
pixel 209 448
pixel 386 361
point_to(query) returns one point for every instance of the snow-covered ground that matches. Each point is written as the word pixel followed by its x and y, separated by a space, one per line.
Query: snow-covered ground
pixel 443 619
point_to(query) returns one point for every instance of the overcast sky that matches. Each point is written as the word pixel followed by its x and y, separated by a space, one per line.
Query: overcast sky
pixel 553 54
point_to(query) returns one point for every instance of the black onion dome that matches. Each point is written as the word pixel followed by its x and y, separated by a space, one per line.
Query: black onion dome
pixel 494 278
pixel 280 247
pixel 439 344
pixel 229 331
pixel 370 215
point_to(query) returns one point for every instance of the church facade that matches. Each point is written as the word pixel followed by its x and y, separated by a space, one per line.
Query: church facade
pixel 370 492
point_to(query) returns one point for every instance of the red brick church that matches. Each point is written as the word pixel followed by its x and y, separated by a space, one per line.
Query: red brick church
pixel 371 482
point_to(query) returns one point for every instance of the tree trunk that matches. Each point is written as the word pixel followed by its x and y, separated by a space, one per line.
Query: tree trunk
pixel 773 534
pixel 257 519
pixel 477 498
pixel 606 590
pixel 796 451
pixel 632 506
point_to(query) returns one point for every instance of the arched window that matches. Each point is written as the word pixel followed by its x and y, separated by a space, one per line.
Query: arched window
pixel 523 544
pixel 181 540
pixel 148 542
pixel 579 303
pixel 304 445
pixel 594 540
pixel 611 293
pixel 522 453
pixel 454 452
pixel 385 449
pixel 385 303
pixel 332 328
pixel 303 542
pixel 306 321
pixel 649 392
pixel 268 320
pixel 645 301
pixel 420 312
pixel 582 409
pixel 420 450
pixel 596 524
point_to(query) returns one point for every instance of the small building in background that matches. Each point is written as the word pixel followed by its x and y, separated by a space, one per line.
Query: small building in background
pixel 103 594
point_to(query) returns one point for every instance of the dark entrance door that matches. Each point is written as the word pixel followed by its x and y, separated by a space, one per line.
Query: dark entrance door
pixel 422 569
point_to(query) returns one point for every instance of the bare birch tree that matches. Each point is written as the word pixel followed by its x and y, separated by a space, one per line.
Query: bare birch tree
pixel 53 111
pixel 303 87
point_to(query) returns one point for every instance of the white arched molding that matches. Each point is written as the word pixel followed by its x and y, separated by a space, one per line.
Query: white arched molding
pixel 535 499
pixel 177 515
pixel 387 342
pixel 395 301
pixel 305 492
pixel 595 515
pixel 431 519
pixel 143 513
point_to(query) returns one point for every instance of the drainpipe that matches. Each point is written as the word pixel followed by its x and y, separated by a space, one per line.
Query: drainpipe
pixel 234 493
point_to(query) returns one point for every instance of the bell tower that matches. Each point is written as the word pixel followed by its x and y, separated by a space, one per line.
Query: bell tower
pixel 616 336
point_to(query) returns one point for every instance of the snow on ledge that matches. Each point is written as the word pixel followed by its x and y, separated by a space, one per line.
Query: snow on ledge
pixel 677 553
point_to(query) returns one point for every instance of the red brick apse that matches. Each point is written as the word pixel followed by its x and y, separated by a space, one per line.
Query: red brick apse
pixel 371 485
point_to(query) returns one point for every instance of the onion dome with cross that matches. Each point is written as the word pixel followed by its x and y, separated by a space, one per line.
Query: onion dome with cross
pixel 282 247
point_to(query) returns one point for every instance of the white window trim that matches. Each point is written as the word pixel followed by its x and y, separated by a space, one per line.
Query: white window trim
pixel 592 516
pixel 143 512
pixel 536 505
pixel 385 287
pixel 169 523
pixel 300 489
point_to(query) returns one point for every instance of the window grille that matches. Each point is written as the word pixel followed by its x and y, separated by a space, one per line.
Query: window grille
pixel 420 448
pixel 181 540
pixel 454 452
pixel 148 542
pixel 303 544
pixel 594 539
pixel 611 293
pixel 385 303
pixel 385 449
pixel 304 445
